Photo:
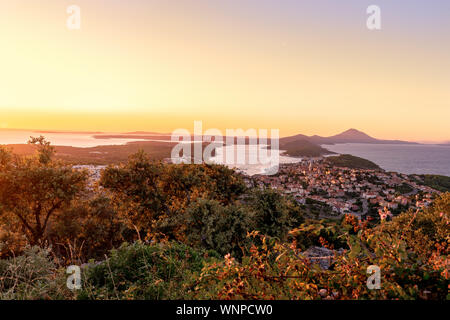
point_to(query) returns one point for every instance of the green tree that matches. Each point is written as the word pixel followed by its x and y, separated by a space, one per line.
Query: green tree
pixel 221 228
pixel 275 214
pixel 34 190
pixel 151 195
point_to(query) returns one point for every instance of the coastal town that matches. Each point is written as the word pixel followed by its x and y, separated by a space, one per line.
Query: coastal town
pixel 328 191
pixel 336 191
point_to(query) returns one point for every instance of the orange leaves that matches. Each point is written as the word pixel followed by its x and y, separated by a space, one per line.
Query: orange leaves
pixel 410 262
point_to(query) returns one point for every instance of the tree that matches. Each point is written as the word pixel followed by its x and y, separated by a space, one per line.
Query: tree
pixel 275 214
pixel 88 229
pixel 34 190
pixel 221 228
pixel 45 150
pixel 151 195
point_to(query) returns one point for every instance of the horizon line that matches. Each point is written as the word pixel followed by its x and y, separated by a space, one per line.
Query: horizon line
pixel 56 131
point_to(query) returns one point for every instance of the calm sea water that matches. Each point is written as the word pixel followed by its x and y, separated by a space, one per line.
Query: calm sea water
pixel 404 158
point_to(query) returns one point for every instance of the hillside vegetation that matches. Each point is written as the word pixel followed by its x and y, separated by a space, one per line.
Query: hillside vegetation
pixel 303 148
pixel 352 162
pixel 441 183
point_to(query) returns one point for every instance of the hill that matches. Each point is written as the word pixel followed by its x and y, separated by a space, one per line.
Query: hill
pixel 101 155
pixel 349 161
pixel 105 155
pixel 441 183
pixel 304 148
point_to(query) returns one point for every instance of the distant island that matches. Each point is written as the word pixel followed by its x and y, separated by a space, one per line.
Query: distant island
pixel 301 145
pixel 304 148
pixel 349 136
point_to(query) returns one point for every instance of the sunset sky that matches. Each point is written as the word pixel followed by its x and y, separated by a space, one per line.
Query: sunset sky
pixel 307 67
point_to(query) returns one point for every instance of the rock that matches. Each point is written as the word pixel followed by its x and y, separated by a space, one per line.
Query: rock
pixel 321 256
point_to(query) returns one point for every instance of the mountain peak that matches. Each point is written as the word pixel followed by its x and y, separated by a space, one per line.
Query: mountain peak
pixel 352 130
pixel 353 134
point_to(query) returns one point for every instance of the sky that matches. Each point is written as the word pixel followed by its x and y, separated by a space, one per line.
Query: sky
pixel 308 66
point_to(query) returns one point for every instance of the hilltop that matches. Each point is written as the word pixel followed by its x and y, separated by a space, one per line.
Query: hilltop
pixel 304 148
pixel 352 162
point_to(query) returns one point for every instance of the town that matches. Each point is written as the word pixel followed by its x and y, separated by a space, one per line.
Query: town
pixel 329 191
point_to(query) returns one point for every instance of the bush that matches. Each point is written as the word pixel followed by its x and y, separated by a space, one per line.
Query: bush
pixel 87 230
pixel 140 271
pixel 274 213
pixel 220 228
pixel 411 252
pixel 149 195
pixel 32 275
pixel 320 233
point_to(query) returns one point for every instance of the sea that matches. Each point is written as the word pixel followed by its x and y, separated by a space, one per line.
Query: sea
pixel 260 152
pixel 403 158
pixel 74 139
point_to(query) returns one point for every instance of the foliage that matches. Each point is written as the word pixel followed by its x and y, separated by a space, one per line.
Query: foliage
pixel 404 188
pixel 349 161
pixel 45 150
pixel 33 191
pixel 150 195
pixel 410 268
pixel 221 228
pixel 441 183
pixel 304 148
pixel 320 233
pixel 274 214
pixel 32 275
pixel 140 271
pixel 87 230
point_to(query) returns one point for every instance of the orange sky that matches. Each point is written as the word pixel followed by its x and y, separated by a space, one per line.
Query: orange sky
pixel 157 66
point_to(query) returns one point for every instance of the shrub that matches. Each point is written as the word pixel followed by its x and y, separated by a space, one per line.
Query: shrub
pixel 150 195
pixel 87 230
pixel 220 228
pixel 32 275
pixel 411 252
pixel 274 213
